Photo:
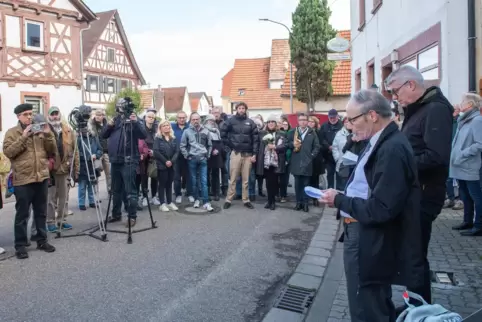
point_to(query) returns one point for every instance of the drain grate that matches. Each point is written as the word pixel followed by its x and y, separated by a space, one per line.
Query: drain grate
pixel 295 299
pixel 442 277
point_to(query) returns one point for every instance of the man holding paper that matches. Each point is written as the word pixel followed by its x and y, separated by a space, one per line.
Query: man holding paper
pixel 382 229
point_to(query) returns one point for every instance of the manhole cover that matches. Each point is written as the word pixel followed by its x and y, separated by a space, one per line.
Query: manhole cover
pixel 446 278
pixel 190 210
pixel 295 299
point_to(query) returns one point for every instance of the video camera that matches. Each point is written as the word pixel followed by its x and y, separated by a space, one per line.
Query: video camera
pixel 125 107
pixel 79 117
pixel 38 123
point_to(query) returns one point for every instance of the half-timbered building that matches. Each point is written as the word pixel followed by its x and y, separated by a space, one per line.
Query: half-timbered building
pixel 109 64
pixel 40 59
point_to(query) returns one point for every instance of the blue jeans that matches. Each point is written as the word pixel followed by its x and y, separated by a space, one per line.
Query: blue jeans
pixel 300 183
pixel 450 189
pixel 251 184
pixel 202 178
pixel 331 174
pixel 124 187
pixel 471 196
pixel 85 186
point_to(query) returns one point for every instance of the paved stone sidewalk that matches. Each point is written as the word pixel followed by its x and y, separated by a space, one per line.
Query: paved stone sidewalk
pixel 448 252
pixel 311 269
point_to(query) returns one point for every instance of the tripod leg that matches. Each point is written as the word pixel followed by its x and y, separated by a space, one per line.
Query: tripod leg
pixel 129 233
pixel 153 223
pixel 109 203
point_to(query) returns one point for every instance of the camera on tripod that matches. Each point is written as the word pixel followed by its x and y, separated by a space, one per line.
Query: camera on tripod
pixel 125 107
pixel 79 117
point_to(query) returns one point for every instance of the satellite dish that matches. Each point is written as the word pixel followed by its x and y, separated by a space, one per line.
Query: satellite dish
pixel 338 44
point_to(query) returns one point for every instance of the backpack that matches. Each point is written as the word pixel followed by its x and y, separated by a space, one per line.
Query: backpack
pixel 426 312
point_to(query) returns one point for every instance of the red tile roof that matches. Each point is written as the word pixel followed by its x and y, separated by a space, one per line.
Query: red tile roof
pixel 340 80
pixel 227 80
pixel 194 99
pixel 251 80
pixel 280 57
pixel 174 98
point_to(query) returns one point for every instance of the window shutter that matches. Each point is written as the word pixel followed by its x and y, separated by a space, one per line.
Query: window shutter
pixel 119 85
pixel 87 83
pixel 100 86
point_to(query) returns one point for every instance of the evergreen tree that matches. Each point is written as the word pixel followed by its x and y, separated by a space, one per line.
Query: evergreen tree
pixel 311 31
pixel 126 92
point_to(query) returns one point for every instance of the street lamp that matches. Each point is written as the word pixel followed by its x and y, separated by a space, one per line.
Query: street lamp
pixel 291 65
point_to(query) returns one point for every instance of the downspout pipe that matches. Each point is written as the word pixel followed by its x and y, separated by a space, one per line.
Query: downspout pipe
pixel 82 60
pixel 472 49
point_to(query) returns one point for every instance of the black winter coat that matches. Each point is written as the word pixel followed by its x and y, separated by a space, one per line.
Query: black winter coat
pixel 165 151
pixel 151 133
pixel 327 134
pixel 319 162
pixel 390 249
pixel 280 150
pixel 240 134
pixel 428 126
pixel 302 161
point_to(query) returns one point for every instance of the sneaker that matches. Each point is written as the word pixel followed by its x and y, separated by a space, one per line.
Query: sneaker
pixel 82 208
pixel 70 213
pixel 46 247
pixel 92 205
pixel 448 203
pixel 155 201
pixel 139 204
pixel 132 221
pixel 164 208
pixel 21 253
pixel 173 207
pixel 66 226
pixel 196 204
pixel 179 199
pixel 2 250
pixel 458 205
pixel 208 207
pixel 52 228
pixel 144 202
pixel 191 199
pixel 227 205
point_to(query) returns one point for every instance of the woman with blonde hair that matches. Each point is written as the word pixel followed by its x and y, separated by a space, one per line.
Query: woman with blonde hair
pixel 165 153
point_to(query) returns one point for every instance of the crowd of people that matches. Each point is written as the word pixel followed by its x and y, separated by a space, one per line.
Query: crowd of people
pixel 388 177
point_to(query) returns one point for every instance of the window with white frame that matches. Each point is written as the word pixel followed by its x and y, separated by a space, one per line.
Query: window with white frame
pixel 92 83
pixel 34 35
pixel 110 55
pixel 427 62
pixel 110 85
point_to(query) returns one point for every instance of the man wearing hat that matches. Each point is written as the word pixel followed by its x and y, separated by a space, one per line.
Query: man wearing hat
pixel 29 149
pixel 59 193
pixel 328 131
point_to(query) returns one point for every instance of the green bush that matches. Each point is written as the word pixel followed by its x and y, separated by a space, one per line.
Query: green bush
pixel 126 92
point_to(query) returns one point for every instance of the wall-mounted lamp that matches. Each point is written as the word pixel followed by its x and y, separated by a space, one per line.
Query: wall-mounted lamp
pixel 394 56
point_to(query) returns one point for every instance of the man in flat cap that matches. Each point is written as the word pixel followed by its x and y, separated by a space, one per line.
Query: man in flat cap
pixel 29 147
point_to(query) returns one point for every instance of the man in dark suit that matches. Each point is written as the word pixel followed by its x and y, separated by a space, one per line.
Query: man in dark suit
pixel 381 212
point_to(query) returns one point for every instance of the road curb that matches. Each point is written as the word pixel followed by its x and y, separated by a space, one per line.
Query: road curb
pixel 311 271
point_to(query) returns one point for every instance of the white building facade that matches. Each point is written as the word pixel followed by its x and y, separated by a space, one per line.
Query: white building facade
pixel 430 35
pixel 40 56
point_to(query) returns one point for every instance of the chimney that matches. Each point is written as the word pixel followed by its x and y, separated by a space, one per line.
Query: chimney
pixel 159 87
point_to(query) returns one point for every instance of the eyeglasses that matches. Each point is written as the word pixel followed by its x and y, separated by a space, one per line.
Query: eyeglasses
pixel 351 119
pixel 26 114
pixel 394 91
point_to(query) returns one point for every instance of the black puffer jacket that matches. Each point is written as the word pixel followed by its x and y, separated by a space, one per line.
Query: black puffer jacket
pixel 151 133
pixel 165 151
pixel 240 134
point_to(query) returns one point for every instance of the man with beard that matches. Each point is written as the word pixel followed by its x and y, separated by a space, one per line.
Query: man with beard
pixel 241 135
pixel 28 152
pixel 428 127
pixel 181 173
pixel 96 125
pixel 151 126
pixel 328 131
pixel 58 194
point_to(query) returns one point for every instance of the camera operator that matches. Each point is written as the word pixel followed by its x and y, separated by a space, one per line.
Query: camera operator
pixel 124 157
pixel 96 125
pixel 28 147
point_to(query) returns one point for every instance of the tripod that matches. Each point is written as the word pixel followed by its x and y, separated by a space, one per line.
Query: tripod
pixel 86 146
pixel 126 131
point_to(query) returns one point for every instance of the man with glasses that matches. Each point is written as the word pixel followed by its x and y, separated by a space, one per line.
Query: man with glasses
pixel 428 127
pixel 328 131
pixel 181 173
pixel 29 149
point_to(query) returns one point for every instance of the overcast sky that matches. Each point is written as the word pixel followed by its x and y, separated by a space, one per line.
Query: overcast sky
pixel 194 43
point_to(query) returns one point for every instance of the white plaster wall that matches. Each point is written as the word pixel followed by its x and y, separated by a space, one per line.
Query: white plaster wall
pixel 203 106
pixel 399 21
pixel 186 105
pixel 265 113
pixel 276 84
pixel 12 31
pixel 61 4
pixel 65 97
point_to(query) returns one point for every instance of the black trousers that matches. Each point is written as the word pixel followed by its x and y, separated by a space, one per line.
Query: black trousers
pixel 144 184
pixel 425 290
pixel 260 179
pixel 124 187
pixel 300 183
pixel 165 179
pixel 213 181
pixel 376 302
pixel 272 183
pixel 35 195
pixel 284 180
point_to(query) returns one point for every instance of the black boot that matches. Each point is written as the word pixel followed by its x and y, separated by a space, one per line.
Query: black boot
pixel 267 205
pixel 305 208
pixel 298 207
pixel 260 193
pixel 272 206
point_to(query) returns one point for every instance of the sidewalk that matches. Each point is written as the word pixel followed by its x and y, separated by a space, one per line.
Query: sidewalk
pixel 448 252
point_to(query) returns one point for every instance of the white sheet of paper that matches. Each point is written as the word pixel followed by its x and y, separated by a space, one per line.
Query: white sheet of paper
pixel 349 158
pixel 344 214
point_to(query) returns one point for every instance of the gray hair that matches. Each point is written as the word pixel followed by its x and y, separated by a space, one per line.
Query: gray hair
pixel 473 98
pixel 372 101
pixel 404 74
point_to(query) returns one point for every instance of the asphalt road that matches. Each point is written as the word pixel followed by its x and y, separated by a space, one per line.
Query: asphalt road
pixel 226 266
